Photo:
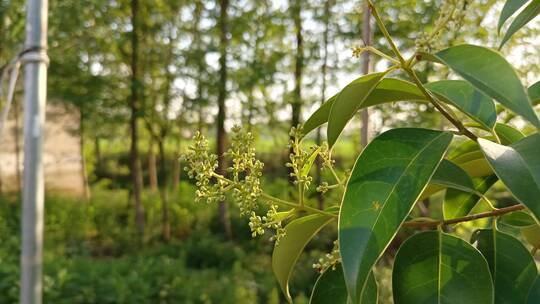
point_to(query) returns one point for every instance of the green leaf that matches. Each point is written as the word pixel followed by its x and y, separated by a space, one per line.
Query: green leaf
pixel 469 157
pixel 518 167
pixel 534 293
pixel 320 116
pixel 517 219
pixel 348 101
pixel 509 8
pixel 534 93
pixel 459 203
pixel 450 175
pixel 512 267
pixel 297 234
pixel 435 267
pixel 529 12
pixel 467 99
pixel 330 288
pixel 490 73
pixel 531 234
pixel 387 90
pixel 385 183
pixel 507 134
pixel 309 163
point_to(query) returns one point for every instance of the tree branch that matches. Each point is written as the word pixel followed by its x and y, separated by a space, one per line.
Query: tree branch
pixel 468 218
pixel 405 65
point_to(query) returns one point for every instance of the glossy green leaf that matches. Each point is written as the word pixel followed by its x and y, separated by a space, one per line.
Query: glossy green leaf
pixel 512 267
pixel 517 219
pixel 297 234
pixel 467 99
pixel 387 90
pixel 348 101
pixel 490 73
pixel 434 267
pixel 385 183
pixel 509 8
pixel 450 175
pixel 518 167
pixel 459 203
pixel 527 14
pixel 469 157
pixel 531 234
pixel 309 163
pixel 507 134
pixel 534 93
pixel 330 288
pixel 320 116
pixel 534 293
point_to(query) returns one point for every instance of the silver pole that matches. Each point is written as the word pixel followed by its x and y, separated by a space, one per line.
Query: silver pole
pixel 35 91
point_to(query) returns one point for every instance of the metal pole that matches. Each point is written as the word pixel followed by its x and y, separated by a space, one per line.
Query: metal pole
pixel 35 90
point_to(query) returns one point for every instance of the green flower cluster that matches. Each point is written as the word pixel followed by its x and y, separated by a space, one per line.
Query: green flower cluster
pixel 272 220
pixel 246 171
pixel 201 165
pixel 329 260
pixel 451 17
pixel 300 159
pixel 243 180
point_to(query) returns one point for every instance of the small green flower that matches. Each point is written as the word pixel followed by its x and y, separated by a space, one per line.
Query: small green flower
pixel 329 260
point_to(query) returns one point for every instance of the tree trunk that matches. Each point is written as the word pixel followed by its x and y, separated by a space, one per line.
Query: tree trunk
pixel 326 17
pixel 222 87
pixel 200 64
pixel 296 103
pixel 84 174
pixel 299 64
pixel 135 162
pixel 177 167
pixel 366 36
pixel 152 170
pixel 16 137
pixel 164 193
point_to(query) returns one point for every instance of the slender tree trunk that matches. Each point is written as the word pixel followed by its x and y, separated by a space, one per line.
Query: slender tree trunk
pixel 366 36
pixel 17 140
pixel 296 103
pixel 318 180
pixel 164 193
pixel 177 167
pixel 84 174
pixel 152 170
pixel 222 87
pixel 136 176
pixel 299 64
pixel 200 64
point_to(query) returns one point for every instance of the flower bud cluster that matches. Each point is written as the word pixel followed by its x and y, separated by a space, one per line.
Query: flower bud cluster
pixel 324 154
pixel 357 51
pixel 201 165
pixel 246 171
pixel 272 220
pixel 299 159
pixel 329 260
pixel 323 187
pixel 450 18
